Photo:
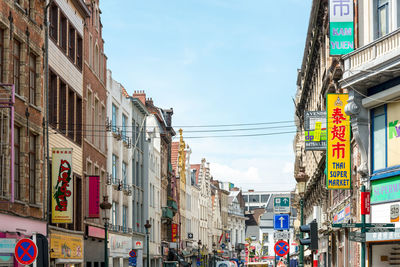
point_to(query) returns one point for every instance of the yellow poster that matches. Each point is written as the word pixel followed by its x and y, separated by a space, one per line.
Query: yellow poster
pixel 64 246
pixel 62 186
pixel 338 167
pixel 393 134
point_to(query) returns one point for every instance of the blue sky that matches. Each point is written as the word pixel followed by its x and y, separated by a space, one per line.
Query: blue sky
pixel 216 62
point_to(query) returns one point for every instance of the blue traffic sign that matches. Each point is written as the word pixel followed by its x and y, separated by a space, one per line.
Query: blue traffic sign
pixel 223 246
pixel 281 221
pixel 132 261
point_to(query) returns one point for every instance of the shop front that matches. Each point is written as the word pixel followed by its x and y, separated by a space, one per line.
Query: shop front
pixel 15 229
pixel 94 246
pixel 120 246
pixel 67 249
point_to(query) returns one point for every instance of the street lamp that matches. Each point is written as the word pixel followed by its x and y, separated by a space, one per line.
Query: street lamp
pixel 147 226
pixel 199 245
pixel 105 206
pixel 301 179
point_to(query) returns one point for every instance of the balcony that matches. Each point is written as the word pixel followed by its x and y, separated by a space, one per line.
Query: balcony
pixel 374 63
pixel 167 213
pixel 172 204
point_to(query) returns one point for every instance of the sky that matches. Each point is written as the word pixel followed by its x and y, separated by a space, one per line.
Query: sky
pixel 216 62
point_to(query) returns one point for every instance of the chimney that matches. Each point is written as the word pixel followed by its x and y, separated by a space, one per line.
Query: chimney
pixel 141 95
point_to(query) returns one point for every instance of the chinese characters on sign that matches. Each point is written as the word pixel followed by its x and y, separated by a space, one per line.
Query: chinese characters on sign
pixel 338 174
pixel 341 27
pixel 62 186
pixel 174 231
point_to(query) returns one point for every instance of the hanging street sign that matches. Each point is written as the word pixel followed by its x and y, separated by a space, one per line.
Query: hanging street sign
pixel 281 248
pixel 278 235
pixel 365 203
pixel 281 221
pixel 357 236
pixel 282 205
pixel 315 130
pixel 26 251
pixel 379 230
pixel 359 225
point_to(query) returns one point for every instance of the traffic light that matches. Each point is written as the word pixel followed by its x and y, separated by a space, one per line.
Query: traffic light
pixel 312 230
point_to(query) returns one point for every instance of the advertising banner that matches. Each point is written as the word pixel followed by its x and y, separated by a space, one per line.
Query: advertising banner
pixel 94 197
pixel 385 190
pixel 338 175
pixel 62 186
pixel 64 246
pixel 341 27
pixel 315 130
pixel 393 134
pixel 174 232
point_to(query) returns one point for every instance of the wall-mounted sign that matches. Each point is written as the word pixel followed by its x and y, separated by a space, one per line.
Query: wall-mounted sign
pixel 64 246
pixel 7 245
pixel 62 186
pixel 94 196
pixel 393 134
pixel 385 190
pixel 96 232
pixel 174 231
pixel 338 167
pixel 119 244
pixel 365 203
pixel 343 215
pixel 137 244
pixel 394 213
pixel 315 130
pixel 341 27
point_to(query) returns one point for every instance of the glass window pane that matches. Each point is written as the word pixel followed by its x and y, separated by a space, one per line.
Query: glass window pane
pixel 254 198
pixel 379 153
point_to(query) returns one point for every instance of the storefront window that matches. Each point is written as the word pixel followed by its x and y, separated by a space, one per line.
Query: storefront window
pixel 379 138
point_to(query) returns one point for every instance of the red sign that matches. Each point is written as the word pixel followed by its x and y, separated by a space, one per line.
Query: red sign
pixel 25 251
pixel 132 253
pixel 174 231
pixel 281 248
pixel 94 197
pixel 365 203
pixel 96 232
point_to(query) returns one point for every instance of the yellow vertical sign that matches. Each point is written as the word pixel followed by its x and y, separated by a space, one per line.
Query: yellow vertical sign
pixel 62 186
pixel 338 162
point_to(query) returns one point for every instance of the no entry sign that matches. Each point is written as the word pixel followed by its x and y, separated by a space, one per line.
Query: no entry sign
pixel 281 248
pixel 25 251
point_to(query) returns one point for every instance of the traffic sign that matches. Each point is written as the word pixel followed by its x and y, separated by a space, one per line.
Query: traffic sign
pixel 358 225
pixel 281 221
pixel 379 230
pixel 278 235
pixel 132 253
pixel 25 251
pixel 281 248
pixel 282 205
pixel 132 261
pixel 357 236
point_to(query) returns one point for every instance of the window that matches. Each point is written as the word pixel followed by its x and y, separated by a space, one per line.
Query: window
pixel 16 65
pixel 378 138
pixel 17 175
pixel 114 217
pixel 53 100
pixel 383 17
pixel 54 22
pixel 32 79
pixel 89 120
pixel 79 52
pixel 103 138
pixel 96 122
pixel 79 120
pixel 62 109
pixel 96 59
pixel 133 173
pixel 63 32
pixel 71 43
pixel 71 114
pixel 32 168
pixel 114 168
pixel 264 198
pixel 137 174
pixel 124 119
pixel 1 54
pixel 124 217
pixel 90 50
pixel 114 118
pixel 246 198
pixel 124 174
pixel 254 198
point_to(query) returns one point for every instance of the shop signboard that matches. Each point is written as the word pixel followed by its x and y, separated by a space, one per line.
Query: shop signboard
pixel 96 232
pixel 174 231
pixel 338 175
pixel 394 213
pixel 62 186
pixel 94 196
pixel 7 245
pixel 393 134
pixel 343 215
pixel 315 130
pixel 64 246
pixel 341 37
pixel 382 236
pixel 385 190
pixel 365 203
pixel 120 245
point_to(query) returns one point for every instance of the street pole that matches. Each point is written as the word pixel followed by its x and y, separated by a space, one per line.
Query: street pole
pixel 363 231
pixel 301 252
pixel 288 254
pixel 148 245
pixel 105 245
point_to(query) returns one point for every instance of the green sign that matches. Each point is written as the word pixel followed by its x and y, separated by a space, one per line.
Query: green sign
pixel 385 190
pixel 282 204
pixel 357 236
pixel 341 38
